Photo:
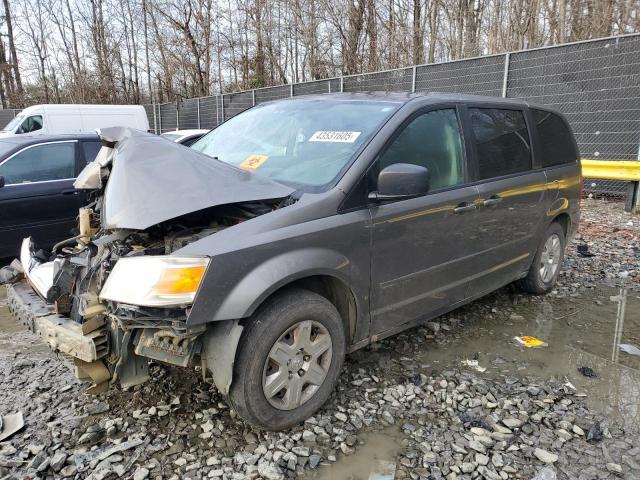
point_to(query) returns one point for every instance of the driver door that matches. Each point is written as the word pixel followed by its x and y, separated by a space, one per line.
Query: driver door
pixel 423 249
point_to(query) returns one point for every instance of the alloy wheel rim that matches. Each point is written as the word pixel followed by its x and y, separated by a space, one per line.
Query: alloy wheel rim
pixel 297 365
pixel 550 258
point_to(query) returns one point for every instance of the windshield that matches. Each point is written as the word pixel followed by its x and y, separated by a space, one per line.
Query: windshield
pixel 304 143
pixel 9 127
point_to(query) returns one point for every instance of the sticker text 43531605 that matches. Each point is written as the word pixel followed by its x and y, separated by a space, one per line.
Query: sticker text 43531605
pixel 334 136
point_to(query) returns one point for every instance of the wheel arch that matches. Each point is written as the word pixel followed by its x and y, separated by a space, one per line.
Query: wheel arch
pixel 564 219
pixel 334 289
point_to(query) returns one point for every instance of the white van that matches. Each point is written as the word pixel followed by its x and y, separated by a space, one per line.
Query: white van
pixel 56 119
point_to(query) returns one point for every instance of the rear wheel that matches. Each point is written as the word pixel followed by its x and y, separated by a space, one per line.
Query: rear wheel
pixel 546 264
pixel 289 360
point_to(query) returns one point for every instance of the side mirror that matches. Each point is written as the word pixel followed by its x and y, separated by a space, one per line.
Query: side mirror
pixel 1 181
pixel 401 181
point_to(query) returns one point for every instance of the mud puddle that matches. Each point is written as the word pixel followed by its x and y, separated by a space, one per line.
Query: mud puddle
pixel 374 459
pixel 582 336
pixel 584 330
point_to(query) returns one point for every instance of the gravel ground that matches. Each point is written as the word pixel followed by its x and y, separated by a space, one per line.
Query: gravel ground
pixel 442 420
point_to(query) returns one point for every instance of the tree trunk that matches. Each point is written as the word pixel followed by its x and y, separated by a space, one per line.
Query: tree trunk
pixel 12 48
pixel 260 56
pixel 418 33
pixel 355 19
pixel 146 49
pixel 373 36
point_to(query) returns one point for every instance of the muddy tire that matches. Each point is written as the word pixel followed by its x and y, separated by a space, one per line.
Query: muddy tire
pixel 546 264
pixel 288 361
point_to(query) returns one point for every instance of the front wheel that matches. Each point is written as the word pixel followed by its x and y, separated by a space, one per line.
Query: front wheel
pixel 546 264
pixel 289 360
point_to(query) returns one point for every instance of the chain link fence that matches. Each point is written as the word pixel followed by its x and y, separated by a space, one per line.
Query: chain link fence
pixel 7 115
pixel 595 83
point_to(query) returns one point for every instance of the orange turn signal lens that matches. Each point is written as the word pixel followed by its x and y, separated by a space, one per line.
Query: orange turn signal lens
pixel 179 280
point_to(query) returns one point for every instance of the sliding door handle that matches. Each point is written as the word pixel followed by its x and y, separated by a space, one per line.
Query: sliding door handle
pixel 464 207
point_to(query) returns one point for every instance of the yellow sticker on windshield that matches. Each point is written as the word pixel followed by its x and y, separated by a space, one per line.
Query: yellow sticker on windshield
pixel 253 162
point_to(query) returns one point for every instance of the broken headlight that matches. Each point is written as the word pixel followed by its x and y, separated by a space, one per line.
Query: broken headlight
pixel 155 281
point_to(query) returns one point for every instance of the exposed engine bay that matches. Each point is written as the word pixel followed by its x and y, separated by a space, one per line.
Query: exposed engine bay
pixel 112 340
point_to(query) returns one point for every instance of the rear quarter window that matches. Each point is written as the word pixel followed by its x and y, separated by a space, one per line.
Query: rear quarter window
pixel 501 141
pixel 90 150
pixel 556 140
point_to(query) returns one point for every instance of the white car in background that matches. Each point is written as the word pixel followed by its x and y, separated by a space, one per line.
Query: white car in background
pixel 185 137
pixel 74 119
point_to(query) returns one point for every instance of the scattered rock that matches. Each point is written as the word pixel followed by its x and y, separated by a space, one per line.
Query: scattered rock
pixel 545 456
pixel 270 471
pixel 141 474
pixel 57 461
pixel 614 468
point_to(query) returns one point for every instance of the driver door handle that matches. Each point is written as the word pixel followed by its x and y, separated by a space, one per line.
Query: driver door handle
pixel 464 207
pixel 492 200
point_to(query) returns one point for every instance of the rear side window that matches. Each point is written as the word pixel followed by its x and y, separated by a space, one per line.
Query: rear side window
pixel 54 161
pixel 556 140
pixel 90 150
pixel 501 140
pixel 431 140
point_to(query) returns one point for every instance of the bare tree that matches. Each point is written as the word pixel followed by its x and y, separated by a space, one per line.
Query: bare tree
pixel 159 50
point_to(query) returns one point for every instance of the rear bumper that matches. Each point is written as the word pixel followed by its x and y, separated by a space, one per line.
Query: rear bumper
pixel 61 333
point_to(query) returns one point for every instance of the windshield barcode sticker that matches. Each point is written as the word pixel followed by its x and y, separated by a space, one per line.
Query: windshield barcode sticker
pixel 339 137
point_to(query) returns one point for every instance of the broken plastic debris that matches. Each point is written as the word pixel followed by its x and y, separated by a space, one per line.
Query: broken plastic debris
pixel 546 473
pixel 595 433
pixel 11 273
pixel 530 342
pixel 587 372
pixel 583 250
pixel 474 364
pixel 10 424
pixel 95 456
pixel 630 349
pixel 383 470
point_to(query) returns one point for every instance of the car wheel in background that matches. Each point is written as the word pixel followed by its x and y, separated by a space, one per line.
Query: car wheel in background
pixel 546 264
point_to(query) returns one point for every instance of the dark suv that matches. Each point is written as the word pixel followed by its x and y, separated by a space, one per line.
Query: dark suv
pixel 299 231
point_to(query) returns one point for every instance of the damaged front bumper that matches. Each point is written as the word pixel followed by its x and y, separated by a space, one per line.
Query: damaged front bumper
pixel 86 343
pixel 111 342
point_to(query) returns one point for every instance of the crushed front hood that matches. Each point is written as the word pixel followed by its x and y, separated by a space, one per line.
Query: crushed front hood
pixel 153 180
